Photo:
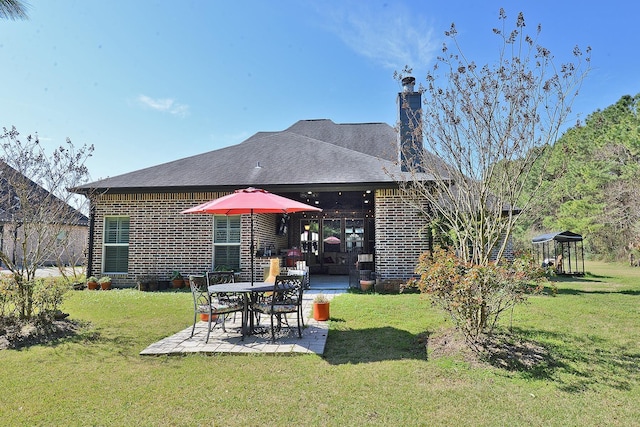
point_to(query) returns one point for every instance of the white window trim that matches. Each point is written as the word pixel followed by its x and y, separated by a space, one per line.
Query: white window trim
pixel 104 244
pixel 213 238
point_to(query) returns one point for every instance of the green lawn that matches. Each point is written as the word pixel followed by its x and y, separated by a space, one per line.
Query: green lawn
pixel 374 371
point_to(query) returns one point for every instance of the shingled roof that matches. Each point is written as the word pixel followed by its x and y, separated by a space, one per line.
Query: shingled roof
pixel 310 152
pixel 10 209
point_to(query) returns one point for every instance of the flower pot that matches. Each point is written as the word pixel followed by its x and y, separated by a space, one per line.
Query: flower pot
pixel 366 285
pixel 321 311
pixel 205 317
pixel 92 286
pixel 177 283
pixel 105 286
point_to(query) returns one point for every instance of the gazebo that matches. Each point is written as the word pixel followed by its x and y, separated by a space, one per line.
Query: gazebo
pixel 560 250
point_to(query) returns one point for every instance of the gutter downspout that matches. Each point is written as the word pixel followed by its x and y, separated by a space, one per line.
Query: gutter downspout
pixel 92 227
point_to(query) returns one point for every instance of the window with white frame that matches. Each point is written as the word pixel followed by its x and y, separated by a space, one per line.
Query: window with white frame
pixel 226 242
pixel 116 245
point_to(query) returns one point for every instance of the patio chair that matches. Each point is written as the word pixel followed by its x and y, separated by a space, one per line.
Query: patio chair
pixel 303 271
pixel 219 278
pixel 203 303
pixel 285 298
pixel 274 270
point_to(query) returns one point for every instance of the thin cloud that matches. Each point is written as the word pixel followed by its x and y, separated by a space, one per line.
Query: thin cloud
pixel 166 105
pixel 391 36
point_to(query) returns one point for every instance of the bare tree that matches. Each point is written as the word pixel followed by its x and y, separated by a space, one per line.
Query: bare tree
pixel 483 131
pixel 13 9
pixel 41 221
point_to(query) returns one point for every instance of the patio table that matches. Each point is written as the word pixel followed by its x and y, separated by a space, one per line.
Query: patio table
pixel 248 291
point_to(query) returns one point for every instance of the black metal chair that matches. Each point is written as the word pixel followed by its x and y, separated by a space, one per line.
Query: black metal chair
pixel 220 305
pixel 285 298
pixel 219 278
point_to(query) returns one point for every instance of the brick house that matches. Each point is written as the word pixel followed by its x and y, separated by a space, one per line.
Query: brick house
pixel 136 227
pixel 27 227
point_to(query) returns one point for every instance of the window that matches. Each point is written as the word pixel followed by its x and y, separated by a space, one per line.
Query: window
pixel 331 235
pixel 309 236
pixel 354 234
pixel 226 242
pixel 116 245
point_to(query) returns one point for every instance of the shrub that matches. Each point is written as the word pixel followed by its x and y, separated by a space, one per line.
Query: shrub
pixel 475 295
pixel 7 291
pixel 49 293
pixel 27 298
pixel 320 299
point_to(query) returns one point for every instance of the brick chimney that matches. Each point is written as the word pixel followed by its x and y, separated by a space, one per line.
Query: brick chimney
pixel 410 134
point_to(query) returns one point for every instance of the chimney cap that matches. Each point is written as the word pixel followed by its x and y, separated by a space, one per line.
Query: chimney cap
pixel 408 83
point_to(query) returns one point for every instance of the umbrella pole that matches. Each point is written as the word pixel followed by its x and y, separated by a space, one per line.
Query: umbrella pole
pixel 251 246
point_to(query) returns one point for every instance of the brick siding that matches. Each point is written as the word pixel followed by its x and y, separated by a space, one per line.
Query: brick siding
pixel 400 236
pixel 161 239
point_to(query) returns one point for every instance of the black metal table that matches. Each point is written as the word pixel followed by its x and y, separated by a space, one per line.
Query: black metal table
pixel 247 289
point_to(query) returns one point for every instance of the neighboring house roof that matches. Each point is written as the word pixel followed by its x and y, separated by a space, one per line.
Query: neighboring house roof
pixel 10 208
pixel 309 152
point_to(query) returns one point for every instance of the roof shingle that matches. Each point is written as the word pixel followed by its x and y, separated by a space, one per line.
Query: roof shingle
pixel 308 152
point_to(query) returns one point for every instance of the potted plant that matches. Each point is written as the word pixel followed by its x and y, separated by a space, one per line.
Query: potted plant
pixel 205 317
pixel 177 280
pixel 321 308
pixel 92 283
pixel 366 285
pixel 147 283
pixel 105 282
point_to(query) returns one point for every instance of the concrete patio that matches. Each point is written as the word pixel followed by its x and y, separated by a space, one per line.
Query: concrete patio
pixel 313 341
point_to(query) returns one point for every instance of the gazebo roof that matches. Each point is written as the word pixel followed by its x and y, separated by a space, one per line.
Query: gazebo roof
pixel 560 236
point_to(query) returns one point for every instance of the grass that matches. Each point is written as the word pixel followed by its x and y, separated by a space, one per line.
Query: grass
pixel 375 370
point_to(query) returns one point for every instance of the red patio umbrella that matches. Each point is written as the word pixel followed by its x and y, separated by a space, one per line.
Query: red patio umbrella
pixel 332 240
pixel 249 201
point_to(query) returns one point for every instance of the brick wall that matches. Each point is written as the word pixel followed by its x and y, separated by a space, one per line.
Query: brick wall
pixel 400 236
pixel 162 239
pixel 264 237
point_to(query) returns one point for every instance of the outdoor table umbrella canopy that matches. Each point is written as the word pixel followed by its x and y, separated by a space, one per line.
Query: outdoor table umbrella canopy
pixel 332 240
pixel 249 201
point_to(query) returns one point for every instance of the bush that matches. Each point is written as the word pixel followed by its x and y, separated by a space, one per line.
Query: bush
pixel 7 295
pixel 475 295
pixel 26 299
pixel 48 294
